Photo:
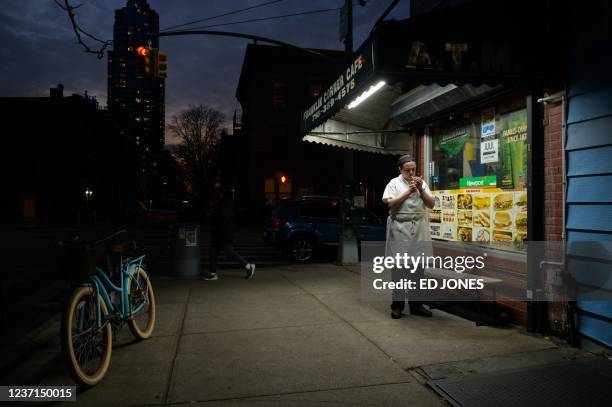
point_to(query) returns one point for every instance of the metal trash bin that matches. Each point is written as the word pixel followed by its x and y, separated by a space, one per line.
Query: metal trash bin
pixel 185 249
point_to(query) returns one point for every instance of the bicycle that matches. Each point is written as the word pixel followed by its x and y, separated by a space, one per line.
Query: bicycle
pixel 92 311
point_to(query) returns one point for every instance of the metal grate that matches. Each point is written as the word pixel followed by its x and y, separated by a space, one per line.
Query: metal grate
pixel 576 383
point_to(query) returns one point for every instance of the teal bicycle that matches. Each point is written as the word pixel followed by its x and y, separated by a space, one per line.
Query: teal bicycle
pixel 108 299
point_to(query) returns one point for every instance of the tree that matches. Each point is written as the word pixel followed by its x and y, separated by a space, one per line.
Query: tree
pixel 199 130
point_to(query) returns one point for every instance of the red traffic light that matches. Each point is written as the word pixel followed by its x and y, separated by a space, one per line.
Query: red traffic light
pixel 142 51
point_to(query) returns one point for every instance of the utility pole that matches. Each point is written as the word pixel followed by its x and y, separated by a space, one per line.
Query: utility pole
pixel 348 56
pixel 347 249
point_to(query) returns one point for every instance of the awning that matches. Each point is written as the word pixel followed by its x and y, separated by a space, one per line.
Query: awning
pixel 427 64
pixel 341 134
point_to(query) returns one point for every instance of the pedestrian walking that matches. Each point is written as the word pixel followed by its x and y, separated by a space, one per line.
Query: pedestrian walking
pixel 408 198
pixel 222 229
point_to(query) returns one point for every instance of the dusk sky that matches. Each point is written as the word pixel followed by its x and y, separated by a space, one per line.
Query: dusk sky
pixel 39 48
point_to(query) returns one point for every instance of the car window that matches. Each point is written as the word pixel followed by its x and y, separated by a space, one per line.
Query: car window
pixel 322 209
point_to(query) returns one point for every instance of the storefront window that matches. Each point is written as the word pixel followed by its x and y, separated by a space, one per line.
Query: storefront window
pixel 479 179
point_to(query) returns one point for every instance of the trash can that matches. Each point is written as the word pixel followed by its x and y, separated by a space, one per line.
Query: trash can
pixel 185 249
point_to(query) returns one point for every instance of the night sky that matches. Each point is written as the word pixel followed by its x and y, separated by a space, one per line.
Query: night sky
pixel 39 48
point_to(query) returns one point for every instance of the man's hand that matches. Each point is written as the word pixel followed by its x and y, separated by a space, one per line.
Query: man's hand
pixel 418 183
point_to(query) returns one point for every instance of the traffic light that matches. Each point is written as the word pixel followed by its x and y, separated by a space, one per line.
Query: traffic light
pixel 144 66
pixel 162 66
pixel 149 61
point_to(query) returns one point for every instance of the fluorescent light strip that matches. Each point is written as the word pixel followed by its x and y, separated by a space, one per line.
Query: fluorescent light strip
pixel 373 89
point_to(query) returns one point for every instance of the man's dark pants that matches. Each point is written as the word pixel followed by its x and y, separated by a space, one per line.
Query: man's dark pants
pixel 399 295
pixel 228 249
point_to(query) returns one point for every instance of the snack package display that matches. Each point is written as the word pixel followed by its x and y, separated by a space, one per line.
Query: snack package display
pixel 449 232
pixel 464 234
pixel 464 218
pixel 449 201
pixel 482 218
pixel 449 216
pixel 486 215
pixel 502 202
pixel 502 220
pixel 435 216
pixel 502 236
pixel 464 201
pixel 481 235
pixel 435 231
pixel 482 202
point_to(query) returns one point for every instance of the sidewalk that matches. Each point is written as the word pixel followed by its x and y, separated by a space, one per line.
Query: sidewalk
pixel 292 336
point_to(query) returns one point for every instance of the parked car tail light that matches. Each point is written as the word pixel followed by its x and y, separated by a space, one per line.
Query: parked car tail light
pixel 278 223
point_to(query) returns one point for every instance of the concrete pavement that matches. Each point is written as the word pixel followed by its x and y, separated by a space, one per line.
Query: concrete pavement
pixel 295 335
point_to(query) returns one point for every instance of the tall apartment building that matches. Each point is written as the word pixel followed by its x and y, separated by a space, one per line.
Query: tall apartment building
pixel 136 101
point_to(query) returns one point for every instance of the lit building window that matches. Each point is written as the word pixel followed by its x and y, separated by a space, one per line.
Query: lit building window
pixel 314 90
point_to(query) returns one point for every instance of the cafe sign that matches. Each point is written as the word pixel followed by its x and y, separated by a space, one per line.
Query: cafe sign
pixel 344 89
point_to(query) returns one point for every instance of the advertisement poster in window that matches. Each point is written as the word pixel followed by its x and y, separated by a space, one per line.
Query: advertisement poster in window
pixel 489 143
pixel 456 149
pixel 513 150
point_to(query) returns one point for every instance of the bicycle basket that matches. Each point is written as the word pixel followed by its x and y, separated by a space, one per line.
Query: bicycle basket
pixel 80 261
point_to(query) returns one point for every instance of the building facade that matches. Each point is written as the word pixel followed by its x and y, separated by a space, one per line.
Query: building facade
pixel 511 132
pixel 63 161
pixel 276 84
pixel 137 100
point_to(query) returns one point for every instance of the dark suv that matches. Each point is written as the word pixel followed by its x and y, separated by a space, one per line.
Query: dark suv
pixel 305 225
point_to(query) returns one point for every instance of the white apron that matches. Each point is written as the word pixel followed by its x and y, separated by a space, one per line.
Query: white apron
pixel 408 224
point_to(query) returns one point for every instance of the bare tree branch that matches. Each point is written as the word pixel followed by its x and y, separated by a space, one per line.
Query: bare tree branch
pixel 78 30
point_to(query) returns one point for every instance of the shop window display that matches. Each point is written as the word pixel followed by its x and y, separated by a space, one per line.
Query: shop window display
pixel 479 180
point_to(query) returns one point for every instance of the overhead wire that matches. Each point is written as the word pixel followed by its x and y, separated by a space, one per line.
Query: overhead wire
pixel 264 18
pixel 222 15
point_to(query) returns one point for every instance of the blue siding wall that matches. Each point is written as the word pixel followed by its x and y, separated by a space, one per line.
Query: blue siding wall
pixel 588 148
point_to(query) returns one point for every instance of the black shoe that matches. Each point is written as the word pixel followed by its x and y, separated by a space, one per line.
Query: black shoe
pixel 209 276
pixel 396 314
pixel 422 311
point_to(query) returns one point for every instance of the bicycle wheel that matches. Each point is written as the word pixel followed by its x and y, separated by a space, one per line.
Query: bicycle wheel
pixel 140 294
pixel 87 348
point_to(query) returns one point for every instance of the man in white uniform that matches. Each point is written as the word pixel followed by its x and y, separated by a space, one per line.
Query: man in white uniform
pixel 408 198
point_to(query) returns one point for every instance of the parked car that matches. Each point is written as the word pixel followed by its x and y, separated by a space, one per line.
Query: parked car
pixel 304 226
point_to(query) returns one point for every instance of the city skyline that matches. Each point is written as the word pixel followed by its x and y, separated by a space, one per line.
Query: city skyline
pixel 201 69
